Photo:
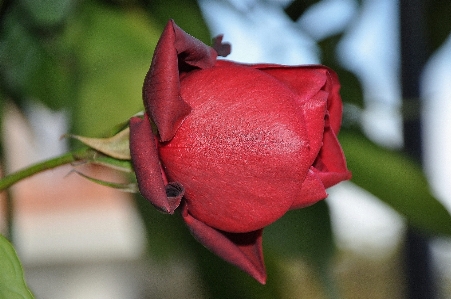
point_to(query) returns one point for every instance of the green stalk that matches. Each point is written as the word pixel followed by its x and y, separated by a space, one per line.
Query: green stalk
pixel 69 157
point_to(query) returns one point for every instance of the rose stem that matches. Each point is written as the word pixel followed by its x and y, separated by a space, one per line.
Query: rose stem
pixel 66 158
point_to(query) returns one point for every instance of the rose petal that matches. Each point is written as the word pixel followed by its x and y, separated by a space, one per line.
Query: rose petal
pixel 330 164
pixel 243 151
pixel 306 81
pixel 312 191
pixel 243 250
pixel 314 114
pixel 318 90
pixel 223 49
pixel 176 52
pixel 147 168
pixel 334 103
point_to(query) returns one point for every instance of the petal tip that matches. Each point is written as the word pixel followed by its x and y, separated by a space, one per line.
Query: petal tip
pixel 223 49
pixel 260 276
pixel 146 164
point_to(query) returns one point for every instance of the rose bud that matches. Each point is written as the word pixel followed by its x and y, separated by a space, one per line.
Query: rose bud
pixel 237 146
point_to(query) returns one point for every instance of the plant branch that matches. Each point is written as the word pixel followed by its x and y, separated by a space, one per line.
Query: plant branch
pixel 69 157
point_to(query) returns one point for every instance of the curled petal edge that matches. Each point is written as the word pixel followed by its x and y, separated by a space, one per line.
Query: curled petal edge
pixel 176 52
pixel 223 49
pixel 148 170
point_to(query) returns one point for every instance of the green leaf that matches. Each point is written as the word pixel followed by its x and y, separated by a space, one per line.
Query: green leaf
pixel 12 283
pixel 396 180
pixel 116 146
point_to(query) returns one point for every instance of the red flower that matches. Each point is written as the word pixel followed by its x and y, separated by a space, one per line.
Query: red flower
pixel 240 144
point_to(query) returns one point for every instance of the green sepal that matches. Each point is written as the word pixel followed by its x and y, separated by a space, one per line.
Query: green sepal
pixel 116 146
pixel 110 162
pixel 126 187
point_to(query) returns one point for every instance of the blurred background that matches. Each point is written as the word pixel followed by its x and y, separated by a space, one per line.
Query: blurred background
pixel 77 66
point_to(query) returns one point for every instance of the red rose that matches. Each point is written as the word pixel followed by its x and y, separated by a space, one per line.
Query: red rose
pixel 240 145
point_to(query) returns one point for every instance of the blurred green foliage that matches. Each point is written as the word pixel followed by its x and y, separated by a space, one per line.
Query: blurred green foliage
pixel 90 58
pixel 114 48
pixel 397 180
pixel 32 67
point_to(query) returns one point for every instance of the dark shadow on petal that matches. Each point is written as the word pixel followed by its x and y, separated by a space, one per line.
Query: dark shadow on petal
pixel 174 193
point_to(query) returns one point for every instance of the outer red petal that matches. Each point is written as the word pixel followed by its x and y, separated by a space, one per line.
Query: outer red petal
pixel 243 250
pixel 176 52
pixel 314 113
pixel 330 164
pixel 312 83
pixel 334 104
pixel 147 168
pixel 312 191
pixel 306 81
